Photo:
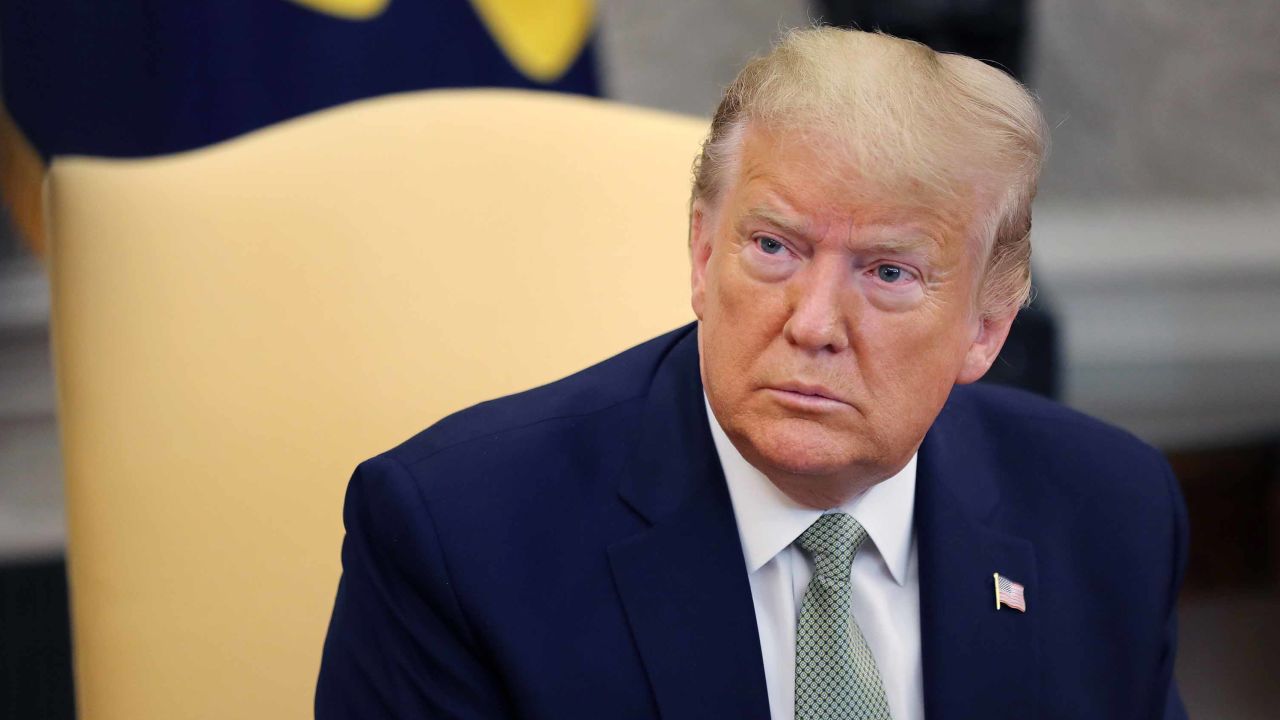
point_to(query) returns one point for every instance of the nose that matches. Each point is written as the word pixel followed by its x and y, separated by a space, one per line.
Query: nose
pixel 817 321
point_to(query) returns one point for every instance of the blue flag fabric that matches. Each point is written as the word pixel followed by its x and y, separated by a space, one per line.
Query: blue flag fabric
pixel 143 77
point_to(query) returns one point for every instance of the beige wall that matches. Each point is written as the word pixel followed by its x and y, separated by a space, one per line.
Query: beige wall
pixel 1173 98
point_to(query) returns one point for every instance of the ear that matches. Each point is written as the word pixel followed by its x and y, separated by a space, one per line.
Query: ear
pixel 992 332
pixel 700 231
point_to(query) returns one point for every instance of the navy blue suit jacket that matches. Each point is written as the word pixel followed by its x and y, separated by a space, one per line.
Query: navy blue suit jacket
pixel 571 552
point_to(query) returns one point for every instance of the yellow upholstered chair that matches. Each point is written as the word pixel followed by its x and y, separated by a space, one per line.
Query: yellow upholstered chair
pixel 235 328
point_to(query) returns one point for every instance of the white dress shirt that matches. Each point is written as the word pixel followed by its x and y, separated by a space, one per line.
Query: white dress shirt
pixel 885 579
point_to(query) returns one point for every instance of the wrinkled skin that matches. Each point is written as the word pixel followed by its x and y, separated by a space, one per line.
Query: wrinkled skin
pixel 832 327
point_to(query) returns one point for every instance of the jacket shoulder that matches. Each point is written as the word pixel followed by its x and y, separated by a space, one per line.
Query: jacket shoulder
pixel 1078 459
pixel 1017 418
pixel 512 428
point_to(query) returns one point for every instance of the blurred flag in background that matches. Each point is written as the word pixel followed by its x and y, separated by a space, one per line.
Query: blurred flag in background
pixel 130 78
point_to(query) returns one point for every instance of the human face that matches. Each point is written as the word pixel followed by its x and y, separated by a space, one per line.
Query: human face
pixel 832 328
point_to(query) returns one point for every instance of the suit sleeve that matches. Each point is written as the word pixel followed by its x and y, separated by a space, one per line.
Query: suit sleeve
pixel 1170 698
pixel 398 644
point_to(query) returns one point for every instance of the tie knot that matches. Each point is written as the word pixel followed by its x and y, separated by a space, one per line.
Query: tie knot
pixel 832 541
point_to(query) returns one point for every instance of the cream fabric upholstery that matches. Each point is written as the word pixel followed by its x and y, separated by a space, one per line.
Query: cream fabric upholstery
pixel 235 328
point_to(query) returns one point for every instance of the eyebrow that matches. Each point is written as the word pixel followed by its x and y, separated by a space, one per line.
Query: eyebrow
pixel 776 219
pixel 917 242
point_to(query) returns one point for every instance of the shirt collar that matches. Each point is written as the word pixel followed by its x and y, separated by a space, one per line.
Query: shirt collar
pixel 769 521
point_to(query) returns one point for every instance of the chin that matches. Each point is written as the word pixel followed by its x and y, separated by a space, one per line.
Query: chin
pixel 802 447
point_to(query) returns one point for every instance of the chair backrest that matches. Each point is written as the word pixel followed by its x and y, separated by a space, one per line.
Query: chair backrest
pixel 235 328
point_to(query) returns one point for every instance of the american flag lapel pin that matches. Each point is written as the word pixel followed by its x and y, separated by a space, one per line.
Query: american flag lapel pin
pixel 1009 593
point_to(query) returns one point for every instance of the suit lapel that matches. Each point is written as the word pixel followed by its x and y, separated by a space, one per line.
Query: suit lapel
pixel 685 590
pixel 683 582
pixel 979 662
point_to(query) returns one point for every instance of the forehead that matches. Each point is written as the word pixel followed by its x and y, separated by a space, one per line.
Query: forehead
pixel 797 180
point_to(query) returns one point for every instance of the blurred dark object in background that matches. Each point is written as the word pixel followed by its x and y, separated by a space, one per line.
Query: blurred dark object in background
pixel 35 642
pixel 1030 357
pixel 1233 500
pixel 990 30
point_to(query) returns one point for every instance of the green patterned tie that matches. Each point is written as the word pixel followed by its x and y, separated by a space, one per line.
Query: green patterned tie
pixel 836 676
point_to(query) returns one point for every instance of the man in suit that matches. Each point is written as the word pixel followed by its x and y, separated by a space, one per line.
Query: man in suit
pixel 798 507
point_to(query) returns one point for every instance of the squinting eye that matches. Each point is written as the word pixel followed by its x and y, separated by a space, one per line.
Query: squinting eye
pixel 769 245
pixel 889 273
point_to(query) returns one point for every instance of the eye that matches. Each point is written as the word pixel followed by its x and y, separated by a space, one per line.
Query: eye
pixel 770 246
pixel 890 273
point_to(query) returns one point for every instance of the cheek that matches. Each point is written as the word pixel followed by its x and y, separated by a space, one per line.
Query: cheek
pixel 740 322
pixel 910 354
pixel 740 305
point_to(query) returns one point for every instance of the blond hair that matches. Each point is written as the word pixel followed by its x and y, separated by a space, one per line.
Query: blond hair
pixel 933 127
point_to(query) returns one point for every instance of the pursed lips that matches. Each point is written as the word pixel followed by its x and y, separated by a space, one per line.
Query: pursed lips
pixel 806 390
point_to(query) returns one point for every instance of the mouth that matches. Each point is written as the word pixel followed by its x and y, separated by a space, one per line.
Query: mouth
pixel 806 396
